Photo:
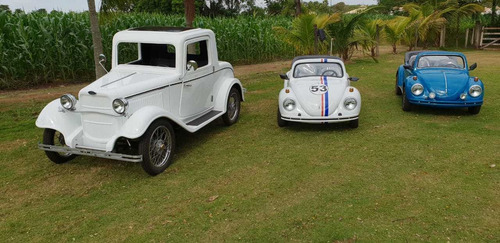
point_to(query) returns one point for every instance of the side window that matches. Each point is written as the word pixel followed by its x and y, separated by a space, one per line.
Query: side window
pixel 198 52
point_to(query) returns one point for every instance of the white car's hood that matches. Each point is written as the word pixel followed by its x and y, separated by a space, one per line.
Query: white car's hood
pixel 124 83
pixel 319 103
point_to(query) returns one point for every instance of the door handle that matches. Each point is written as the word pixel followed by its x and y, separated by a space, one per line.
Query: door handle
pixel 188 85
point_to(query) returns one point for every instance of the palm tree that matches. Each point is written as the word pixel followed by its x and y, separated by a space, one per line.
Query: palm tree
pixel 301 36
pixel 458 9
pixel 425 21
pixel 394 30
pixel 96 38
pixel 366 35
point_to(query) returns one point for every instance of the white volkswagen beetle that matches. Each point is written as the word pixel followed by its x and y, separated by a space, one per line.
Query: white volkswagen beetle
pixel 317 89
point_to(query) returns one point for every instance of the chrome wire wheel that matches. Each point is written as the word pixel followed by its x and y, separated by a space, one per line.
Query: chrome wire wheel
pixel 59 141
pixel 233 105
pixel 53 137
pixel 160 146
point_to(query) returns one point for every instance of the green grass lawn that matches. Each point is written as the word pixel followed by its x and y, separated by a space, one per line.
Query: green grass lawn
pixel 401 176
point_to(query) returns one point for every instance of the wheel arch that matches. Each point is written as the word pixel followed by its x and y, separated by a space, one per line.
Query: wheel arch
pixel 223 93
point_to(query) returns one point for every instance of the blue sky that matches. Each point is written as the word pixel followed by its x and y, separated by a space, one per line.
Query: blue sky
pixel 81 5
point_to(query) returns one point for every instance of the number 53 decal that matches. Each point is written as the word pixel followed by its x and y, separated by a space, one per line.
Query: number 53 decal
pixel 318 89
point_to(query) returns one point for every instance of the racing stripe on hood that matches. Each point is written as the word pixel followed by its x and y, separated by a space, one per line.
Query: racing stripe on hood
pixel 322 98
pixel 325 79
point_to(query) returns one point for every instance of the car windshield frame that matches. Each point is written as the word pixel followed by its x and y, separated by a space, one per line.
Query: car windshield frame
pixel 141 54
pixel 464 63
pixel 304 63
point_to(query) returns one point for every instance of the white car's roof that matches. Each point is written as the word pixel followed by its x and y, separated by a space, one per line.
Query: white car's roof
pixel 173 35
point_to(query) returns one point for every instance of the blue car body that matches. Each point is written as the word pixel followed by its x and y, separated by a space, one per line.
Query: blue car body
pixel 450 85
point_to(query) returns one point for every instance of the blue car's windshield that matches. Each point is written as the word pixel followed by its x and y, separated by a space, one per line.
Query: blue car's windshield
pixel 441 62
pixel 318 69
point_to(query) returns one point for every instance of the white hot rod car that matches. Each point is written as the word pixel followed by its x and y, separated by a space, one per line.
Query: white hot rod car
pixel 317 90
pixel 161 77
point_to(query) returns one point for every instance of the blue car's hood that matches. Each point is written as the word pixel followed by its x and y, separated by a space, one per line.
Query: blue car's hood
pixel 446 83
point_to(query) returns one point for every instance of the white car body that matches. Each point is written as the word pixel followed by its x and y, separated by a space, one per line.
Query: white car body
pixel 318 98
pixel 189 98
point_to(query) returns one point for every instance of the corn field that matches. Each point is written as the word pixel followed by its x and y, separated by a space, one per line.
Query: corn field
pixel 39 48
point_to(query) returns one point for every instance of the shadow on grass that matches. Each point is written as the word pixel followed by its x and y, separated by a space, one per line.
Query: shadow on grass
pixel 308 127
pixel 428 110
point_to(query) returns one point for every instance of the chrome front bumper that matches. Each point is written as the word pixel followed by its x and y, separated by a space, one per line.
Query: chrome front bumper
pixel 91 152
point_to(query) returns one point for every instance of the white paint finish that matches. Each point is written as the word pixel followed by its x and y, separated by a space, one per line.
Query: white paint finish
pixel 152 92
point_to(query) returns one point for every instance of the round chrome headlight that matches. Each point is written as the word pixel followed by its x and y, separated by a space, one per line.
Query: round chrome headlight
pixel 475 90
pixel 350 103
pixel 120 105
pixel 289 104
pixel 417 89
pixel 68 101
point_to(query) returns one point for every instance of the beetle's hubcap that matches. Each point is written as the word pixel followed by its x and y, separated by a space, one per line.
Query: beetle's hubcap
pixel 160 146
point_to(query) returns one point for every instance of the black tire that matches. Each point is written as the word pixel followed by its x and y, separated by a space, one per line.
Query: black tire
pixel 354 123
pixel 52 137
pixel 233 107
pixel 474 110
pixel 281 122
pixel 157 147
pixel 397 90
pixel 406 104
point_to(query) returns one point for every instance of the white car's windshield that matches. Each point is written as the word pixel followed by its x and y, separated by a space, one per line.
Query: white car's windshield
pixel 161 55
pixel 441 61
pixel 318 69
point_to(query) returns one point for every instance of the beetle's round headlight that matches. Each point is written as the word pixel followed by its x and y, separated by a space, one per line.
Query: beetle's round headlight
pixel 417 89
pixel 68 101
pixel 475 90
pixel 120 105
pixel 350 103
pixel 289 104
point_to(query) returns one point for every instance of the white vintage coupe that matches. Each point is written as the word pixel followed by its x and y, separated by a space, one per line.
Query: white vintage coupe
pixel 317 89
pixel 161 77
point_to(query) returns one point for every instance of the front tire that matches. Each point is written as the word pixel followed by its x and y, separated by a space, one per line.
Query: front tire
pixel 354 123
pixel 474 110
pixel 53 137
pixel 233 107
pixel 281 122
pixel 157 147
pixel 397 90
pixel 406 103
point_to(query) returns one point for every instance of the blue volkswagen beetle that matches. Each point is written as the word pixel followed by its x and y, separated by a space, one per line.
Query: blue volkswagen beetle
pixel 438 79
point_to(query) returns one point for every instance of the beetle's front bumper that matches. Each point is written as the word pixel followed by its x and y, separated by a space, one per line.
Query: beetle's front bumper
pixel 91 152
pixel 319 120
pixel 446 104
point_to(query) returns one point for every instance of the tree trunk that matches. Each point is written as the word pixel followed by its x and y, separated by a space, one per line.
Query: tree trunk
pixel 457 30
pixel 96 38
pixel 494 11
pixel 189 11
pixel 394 48
pixel 298 8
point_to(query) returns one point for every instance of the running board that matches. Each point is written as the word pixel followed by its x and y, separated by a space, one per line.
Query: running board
pixel 91 152
pixel 204 118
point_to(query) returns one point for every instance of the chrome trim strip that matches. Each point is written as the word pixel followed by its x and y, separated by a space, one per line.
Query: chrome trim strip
pixel 91 152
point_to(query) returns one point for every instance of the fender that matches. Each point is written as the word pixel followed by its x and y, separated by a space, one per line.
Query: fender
pixel 401 76
pixel 221 96
pixel 137 124
pixel 53 116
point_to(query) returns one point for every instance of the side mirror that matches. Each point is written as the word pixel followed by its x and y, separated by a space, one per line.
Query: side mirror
pixel 283 76
pixel 354 79
pixel 473 66
pixel 191 65
pixel 102 59
pixel 407 66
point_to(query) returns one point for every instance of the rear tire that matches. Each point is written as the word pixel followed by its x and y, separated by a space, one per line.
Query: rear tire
pixel 406 104
pixel 397 90
pixel 157 147
pixel 354 123
pixel 232 108
pixel 53 137
pixel 474 110
pixel 281 122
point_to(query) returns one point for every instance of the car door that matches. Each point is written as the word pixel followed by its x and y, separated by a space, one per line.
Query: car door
pixel 197 85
